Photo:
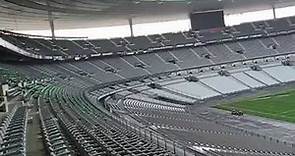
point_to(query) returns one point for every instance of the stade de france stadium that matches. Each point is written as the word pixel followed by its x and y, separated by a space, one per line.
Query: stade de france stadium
pixel 212 90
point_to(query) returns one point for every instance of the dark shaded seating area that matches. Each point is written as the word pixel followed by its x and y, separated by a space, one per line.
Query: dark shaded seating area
pixel 121 46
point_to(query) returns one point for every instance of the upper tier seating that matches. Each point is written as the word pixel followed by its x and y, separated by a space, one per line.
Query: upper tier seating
pixel 246 30
pixel 279 25
pixel 46 47
pixel 174 39
pixel 213 35
pixel 140 43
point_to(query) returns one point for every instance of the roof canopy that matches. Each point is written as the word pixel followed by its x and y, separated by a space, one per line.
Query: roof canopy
pixel 33 14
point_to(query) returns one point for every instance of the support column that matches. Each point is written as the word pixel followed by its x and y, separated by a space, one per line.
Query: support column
pixel 51 21
pixel 51 24
pixel 274 12
pixel 131 26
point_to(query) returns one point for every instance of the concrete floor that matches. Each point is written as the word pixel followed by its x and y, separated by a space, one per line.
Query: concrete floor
pixel 35 146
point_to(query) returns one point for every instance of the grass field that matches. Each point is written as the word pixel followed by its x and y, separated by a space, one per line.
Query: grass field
pixel 279 106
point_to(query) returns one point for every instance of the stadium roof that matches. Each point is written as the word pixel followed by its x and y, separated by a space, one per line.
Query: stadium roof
pixel 33 14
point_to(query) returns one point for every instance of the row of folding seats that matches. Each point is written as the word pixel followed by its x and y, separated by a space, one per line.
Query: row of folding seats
pixel 127 139
pixel 278 25
pixel 245 30
pixel 25 44
pixel 5 120
pixel 82 135
pixel 120 138
pixel 16 41
pixel 135 104
pixel 173 39
pixel 213 35
pixel 141 43
pixel 54 139
pixel 264 27
pixel 13 140
pixel 110 135
pixel 85 136
pixel 69 47
pixel 85 140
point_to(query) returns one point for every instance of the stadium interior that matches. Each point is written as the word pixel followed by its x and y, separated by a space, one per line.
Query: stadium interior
pixel 211 87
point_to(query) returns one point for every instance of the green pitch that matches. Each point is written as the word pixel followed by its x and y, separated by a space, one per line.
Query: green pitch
pixel 279 106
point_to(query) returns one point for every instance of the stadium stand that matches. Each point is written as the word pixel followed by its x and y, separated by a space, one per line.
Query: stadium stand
pixel 145 95
pixel 142 43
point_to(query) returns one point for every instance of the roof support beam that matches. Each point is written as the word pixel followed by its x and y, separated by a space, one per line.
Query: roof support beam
pixel 51 21
pixel 131 27
pixel 274 12
pixel 51 24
